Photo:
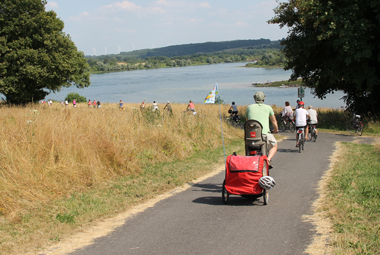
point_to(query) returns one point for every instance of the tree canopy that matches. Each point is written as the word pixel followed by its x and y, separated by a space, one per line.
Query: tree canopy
pixel 334 45
pixel 36 57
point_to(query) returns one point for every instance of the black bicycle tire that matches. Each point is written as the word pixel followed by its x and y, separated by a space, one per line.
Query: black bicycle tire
pixel 314 135
pixel 299 143
pixel 303 142
pixel 350 127
pixel 359 130
pixel 292 127
pixel 282 127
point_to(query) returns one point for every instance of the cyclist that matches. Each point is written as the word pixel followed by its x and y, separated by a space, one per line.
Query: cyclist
pixel 301 116
pixel 190 106
pixel 287 112
pixel 313 119
pixel 233 109
pixel 168 107
pixel 121 105
pixel 263 113
pixel 298 101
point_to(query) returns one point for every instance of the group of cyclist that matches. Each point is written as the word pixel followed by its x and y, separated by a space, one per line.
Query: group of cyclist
pixel 263 113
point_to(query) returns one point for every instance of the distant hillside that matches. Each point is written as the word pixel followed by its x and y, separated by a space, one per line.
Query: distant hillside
pixel 207 47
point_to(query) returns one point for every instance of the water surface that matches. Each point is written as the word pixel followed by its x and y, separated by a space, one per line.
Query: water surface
pixel 194 83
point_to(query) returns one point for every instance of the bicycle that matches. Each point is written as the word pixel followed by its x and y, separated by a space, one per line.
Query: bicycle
pixel 301 138
pixel 355 125
pixel 234 118
pixel 287 123
pixel 312 132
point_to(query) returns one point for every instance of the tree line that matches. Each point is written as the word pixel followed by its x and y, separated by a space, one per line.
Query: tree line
pixel 112 63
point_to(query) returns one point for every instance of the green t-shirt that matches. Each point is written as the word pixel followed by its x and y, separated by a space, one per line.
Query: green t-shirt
pixel 261 113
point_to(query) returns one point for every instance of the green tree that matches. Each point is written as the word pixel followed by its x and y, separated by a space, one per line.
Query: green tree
pixel 71 96
pixel 334 45
pixel 36 57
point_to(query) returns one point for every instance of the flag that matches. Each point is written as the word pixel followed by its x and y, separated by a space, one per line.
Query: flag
pixel 210 99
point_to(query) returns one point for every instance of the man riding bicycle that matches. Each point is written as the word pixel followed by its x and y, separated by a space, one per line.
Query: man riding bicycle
pixel 301 116
pixel 233 109
pixel 313 119
pixel 263 113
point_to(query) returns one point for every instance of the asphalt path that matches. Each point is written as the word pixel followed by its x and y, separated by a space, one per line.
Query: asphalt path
pixel 196 221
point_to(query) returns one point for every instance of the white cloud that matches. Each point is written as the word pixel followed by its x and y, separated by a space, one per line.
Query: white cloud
pixel 265 7
pixel 182 4
pixel 52 6
pixel 241 24
pixel 195 21
pixel 205 5
pixel 125 6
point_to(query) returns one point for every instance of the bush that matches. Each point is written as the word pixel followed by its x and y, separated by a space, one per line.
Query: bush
pixel 71 96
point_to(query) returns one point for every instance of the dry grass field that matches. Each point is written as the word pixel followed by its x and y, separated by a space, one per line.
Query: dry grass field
pixel 49 153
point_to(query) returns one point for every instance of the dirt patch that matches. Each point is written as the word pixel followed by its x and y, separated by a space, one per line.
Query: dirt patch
pixel 102 228
pixel 319 219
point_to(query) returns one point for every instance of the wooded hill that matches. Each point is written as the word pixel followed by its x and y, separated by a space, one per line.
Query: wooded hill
pixel 199 48
pixel 189 54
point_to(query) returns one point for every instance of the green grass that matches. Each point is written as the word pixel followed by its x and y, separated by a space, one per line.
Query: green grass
pixel 353 200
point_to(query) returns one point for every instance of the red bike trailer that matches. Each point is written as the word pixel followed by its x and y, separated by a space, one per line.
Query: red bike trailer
pixel 242 177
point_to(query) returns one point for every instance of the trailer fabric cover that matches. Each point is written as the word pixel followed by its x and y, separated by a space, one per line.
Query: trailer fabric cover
pixel 243 174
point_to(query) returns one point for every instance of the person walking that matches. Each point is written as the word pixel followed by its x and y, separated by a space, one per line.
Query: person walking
pixel 89 103
pixel 66 103
pixel 99 106
pixel 94 103
pixel 75 103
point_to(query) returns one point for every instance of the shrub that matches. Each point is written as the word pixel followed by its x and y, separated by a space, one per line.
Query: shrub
pixel 71 96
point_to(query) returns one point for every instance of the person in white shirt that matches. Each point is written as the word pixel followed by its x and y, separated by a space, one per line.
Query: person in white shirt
pixel 313 118
pixel 287 112
pixel 301 119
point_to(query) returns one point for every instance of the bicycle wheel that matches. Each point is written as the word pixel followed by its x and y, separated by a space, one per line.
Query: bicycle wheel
pixel 309 136
pixel 359 129
pixel 314 135
pixel 350 127
pixel 292 127
pixel 266 197
pixel 299 143
pixel 303 141
pixel 225 195
pixel 282 127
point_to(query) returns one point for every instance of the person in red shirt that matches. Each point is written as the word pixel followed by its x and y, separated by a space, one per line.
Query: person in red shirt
pixel 190 106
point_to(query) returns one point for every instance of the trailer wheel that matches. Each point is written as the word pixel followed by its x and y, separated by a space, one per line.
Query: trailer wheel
pixel 225 195
pixel 266 197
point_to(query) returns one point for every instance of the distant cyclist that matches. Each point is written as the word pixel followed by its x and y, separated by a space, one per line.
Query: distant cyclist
pixel 301 117
pixel 233 109
pixel 168 107
pixel 263 113
pixel 190 106
pixel 313 118
pixel 287 112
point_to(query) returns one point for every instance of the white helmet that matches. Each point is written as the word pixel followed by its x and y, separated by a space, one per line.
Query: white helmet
pixel 267 182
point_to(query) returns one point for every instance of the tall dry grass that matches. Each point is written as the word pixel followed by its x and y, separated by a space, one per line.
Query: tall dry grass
pixel 47 153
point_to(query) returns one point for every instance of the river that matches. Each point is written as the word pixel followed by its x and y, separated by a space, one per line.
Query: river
pixel 194 83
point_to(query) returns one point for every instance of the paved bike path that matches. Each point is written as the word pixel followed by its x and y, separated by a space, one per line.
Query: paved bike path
pixel 197 222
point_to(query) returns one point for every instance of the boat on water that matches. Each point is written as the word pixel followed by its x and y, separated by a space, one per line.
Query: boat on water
pixel 283 86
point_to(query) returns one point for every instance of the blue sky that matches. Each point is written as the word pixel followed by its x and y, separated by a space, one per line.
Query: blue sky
pixel 100 27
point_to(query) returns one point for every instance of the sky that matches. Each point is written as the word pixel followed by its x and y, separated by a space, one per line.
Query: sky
pixel 99 27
